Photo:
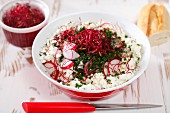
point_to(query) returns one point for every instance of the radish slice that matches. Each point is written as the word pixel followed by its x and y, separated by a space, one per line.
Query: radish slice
pixel 105 69
pixel 68 51
pixel 86 68
pixel 70 54
pixel 51 67
pixel 113 66
pixel 69 46
pixel 114 62
pixel 67 64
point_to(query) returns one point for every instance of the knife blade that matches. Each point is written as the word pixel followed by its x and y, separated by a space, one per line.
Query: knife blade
pixel 55 107
pixel 124 106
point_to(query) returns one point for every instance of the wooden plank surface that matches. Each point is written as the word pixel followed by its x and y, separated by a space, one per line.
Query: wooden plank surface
pixel 20 80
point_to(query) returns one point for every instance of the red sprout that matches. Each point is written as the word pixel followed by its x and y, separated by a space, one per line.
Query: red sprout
pixel 87 72
pixel 55 73
pixel 127 65
pixel 23 16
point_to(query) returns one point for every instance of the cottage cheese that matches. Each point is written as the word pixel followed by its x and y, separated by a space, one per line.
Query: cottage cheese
pixel 98 80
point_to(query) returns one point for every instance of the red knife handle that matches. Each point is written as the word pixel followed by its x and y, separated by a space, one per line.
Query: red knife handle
pixel 56 107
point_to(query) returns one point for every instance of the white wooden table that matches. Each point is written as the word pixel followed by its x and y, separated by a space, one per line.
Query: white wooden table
pixel 21 81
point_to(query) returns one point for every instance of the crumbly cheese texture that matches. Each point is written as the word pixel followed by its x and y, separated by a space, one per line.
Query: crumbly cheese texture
pixel 96 81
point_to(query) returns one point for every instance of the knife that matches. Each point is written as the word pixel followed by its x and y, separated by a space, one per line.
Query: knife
pixel 60 107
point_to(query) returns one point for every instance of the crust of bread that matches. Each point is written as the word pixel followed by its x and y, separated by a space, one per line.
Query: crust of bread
pixel 143 19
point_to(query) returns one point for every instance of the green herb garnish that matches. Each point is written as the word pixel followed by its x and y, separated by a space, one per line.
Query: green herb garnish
pixel 116 74
pixel 82 28
pixel 108 33
pixel 78 85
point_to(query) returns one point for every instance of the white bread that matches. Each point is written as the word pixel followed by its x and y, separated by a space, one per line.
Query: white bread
pixel 153 18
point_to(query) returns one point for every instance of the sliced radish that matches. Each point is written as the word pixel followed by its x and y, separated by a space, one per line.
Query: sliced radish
pixel 88 72
pixel 70 54
pixel 114 66
pixel 68 51
pixel 114 62
pixel 51 67
pixel 86 67
pixel 69 46
pixel 105 69
pixel 111 66
pixel 67 64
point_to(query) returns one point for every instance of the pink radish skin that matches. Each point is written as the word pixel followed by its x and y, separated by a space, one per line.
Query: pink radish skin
pixel 69 51
pixel 67 64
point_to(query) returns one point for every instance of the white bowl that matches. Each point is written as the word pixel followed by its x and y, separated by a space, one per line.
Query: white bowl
pixel 129 28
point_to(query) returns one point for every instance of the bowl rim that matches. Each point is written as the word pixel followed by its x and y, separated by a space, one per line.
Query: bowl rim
pixel 91 91
pixel 45 11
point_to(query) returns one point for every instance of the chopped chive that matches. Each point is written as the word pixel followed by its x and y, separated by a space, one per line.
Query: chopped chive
pixel 78 85
pixel 82 28
pixel 108 80
pixel 68 84
pixel 116 74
